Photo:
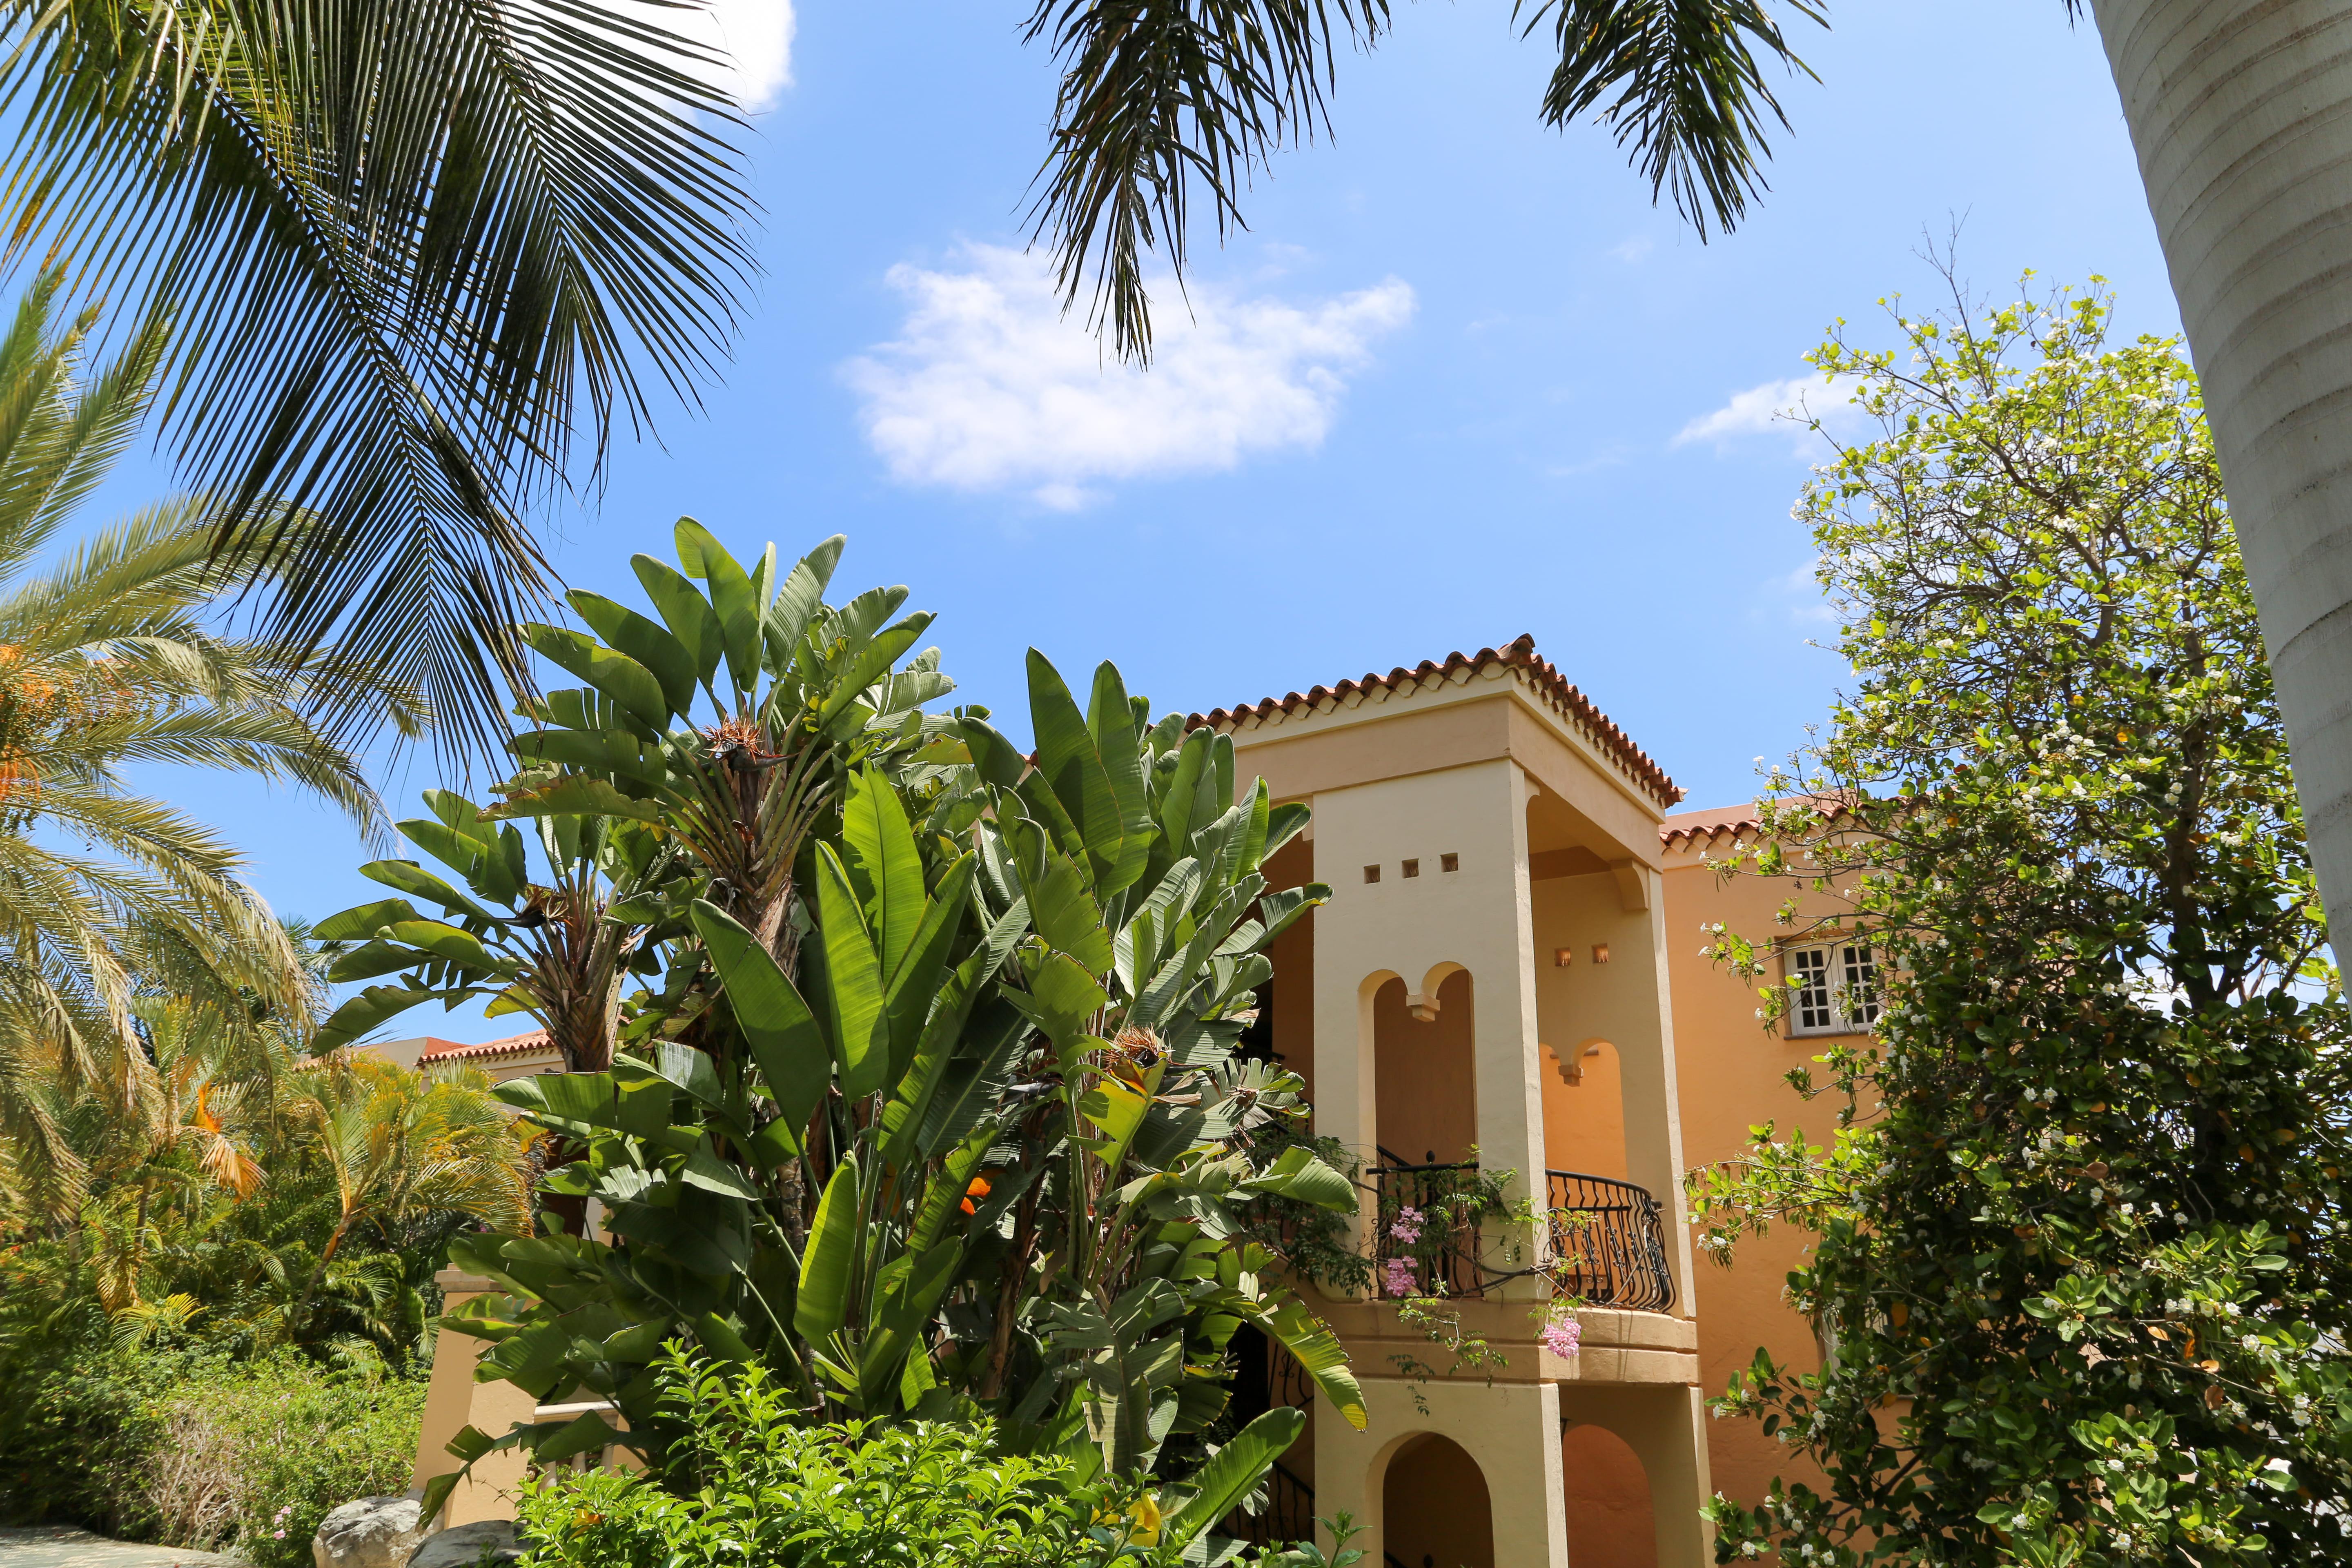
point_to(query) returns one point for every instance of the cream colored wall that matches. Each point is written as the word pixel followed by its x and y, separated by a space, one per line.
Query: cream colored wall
pixel 1625 1003
pixel 1420 930
pixel 1734 1076
pixel 453 1401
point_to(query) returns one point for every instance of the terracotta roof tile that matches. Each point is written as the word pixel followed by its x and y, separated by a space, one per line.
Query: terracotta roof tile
pixel 512 1045
pixel 1565 699
pixel 1686 827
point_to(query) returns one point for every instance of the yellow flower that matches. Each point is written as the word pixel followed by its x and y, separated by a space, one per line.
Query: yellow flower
pixel 1145 1512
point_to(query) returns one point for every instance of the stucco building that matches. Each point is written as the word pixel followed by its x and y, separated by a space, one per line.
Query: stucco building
pixel 1508 972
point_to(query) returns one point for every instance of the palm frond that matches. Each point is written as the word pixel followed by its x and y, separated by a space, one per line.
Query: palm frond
pixel 1685 89
pixel 428 253
pixel 1159 98
pixel 1155 95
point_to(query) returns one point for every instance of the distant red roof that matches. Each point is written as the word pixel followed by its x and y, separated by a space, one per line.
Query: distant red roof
pixel 512 1045
pixel 1569 701
pixel 1689 827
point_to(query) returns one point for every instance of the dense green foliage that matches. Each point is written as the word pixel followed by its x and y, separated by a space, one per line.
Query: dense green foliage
pixel 180 1444
pixel 2078 1243
pixel 228 1338
pixel 928 1101
pixel 268 1202
pixel 752 1483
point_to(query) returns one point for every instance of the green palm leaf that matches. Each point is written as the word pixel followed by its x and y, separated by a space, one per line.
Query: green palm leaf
pixel 434 248
pixel 1160 100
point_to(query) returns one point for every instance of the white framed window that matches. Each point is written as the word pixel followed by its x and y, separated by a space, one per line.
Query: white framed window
pixel 1832 988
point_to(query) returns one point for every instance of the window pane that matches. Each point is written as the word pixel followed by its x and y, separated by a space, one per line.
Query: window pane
pixel 1810 967
pixel 1861 983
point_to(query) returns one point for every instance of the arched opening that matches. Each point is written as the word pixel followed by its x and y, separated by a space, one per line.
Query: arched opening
pixel 1584 1107
pixel 1424 1074
pixel 1609 1523
pixel 1434 1509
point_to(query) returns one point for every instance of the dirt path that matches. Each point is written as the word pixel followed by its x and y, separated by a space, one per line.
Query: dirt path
pixel 63 1546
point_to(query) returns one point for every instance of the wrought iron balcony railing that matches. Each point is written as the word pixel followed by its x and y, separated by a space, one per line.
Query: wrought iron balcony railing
pixel 1422 1239
pixel 1288 1519
pixel 1608 1242
pixel 1607 1237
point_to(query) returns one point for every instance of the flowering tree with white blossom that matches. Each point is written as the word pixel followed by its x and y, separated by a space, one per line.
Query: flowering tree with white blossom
pixel 2079 1262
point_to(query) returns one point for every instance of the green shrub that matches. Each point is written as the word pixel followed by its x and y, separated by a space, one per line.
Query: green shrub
pixel 307 1443
pixel 746 1488
pixel 79 1429
pixel 187 1449
pixel 840 1496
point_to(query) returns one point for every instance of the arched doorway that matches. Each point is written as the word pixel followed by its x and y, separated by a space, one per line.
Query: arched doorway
pixel 1424 1074
pixel 1609 1523
pixel 1434 1509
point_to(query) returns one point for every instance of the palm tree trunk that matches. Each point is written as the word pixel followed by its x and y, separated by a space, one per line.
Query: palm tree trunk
pixel 2240 111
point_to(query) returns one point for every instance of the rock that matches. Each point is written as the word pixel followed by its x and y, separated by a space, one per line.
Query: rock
pixel 374 1533
pixel 463 1545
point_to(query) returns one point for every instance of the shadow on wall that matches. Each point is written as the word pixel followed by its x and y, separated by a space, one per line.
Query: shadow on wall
pixel 1434 1509
pixel 1610 1524
pixel 1424 1074
pixel 1584 1110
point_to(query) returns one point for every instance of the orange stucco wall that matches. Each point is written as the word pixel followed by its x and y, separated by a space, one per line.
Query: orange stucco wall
pixel 1427 1082
pixel 1733 1075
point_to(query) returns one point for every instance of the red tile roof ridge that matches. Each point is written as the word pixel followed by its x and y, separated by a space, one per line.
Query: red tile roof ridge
pixel 511 1045
pixel 1518 654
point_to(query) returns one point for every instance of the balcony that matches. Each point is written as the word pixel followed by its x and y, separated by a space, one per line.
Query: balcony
pixel 1607 1237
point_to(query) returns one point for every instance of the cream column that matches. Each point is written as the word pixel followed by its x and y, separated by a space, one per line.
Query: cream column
pixel 1477 917
pixel 1654 1128
pixel 453 1401
pixel 1346 1103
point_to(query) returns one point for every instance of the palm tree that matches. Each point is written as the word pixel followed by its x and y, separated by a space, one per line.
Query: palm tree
pixel 2241 114
pixel 108 659
pixel 403 1145
pixel 438 248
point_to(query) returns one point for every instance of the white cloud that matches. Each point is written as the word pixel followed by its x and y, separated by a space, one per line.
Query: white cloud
pixel 1776 407
pixel 1756 411
pixel 988 386
pixel 1803 597
pixel 1634 249
pixel 756 34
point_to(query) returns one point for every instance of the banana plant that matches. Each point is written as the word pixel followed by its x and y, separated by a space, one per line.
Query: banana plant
pixel 936 1111
pixel 559 951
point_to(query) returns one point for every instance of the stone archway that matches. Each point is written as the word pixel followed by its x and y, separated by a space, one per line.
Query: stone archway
pixel 1435 1510
pixel 1610 1523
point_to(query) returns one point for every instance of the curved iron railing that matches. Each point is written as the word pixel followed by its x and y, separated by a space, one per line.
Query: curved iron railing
pixel 1608 1242
pixel 1607 1237
pixel 1419 1226
pixel 1288 1519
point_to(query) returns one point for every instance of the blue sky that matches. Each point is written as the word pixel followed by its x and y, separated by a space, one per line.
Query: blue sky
pixel 1459 381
